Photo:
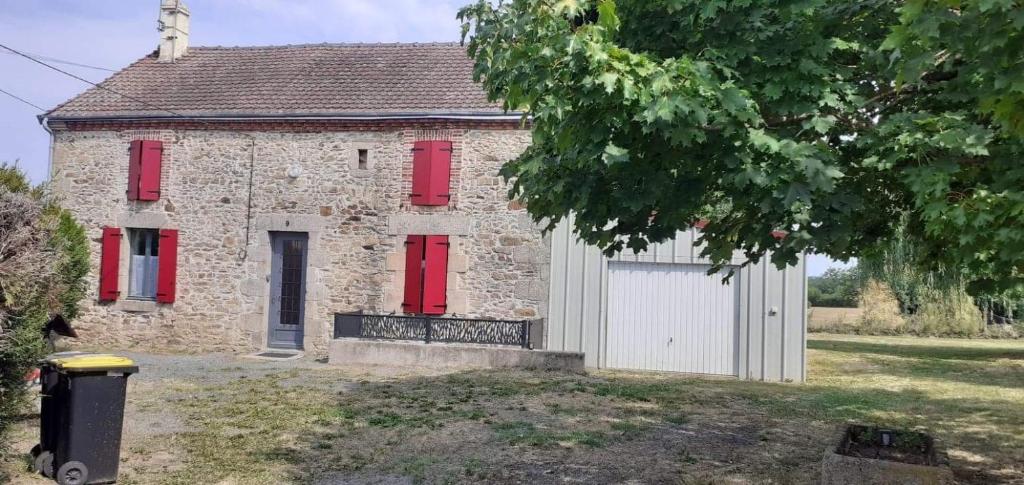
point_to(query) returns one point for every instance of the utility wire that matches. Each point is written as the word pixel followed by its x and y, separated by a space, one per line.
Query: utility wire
pixel 84 80
pixel 61 61
pixel 36 106
pixel 243 254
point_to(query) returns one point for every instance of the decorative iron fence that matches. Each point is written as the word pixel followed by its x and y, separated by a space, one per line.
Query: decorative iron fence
pixel 433 329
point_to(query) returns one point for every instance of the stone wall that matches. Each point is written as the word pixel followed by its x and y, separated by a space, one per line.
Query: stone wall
pixel 357 220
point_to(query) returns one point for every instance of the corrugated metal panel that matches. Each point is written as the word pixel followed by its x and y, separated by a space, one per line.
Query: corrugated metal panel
pixel 770 345
pixel 672 317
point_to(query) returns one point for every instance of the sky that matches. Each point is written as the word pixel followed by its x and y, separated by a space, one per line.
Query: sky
pixel 111 34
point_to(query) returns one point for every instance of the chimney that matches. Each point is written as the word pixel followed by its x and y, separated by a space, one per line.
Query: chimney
pixel 173 27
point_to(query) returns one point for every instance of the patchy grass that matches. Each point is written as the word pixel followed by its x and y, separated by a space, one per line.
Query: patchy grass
pixel 545 427
pixel 526 433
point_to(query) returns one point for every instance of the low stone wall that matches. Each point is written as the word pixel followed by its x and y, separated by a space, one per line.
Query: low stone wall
pixel 447 356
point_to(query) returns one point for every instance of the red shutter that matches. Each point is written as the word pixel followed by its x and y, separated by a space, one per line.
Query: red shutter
pixel 167 270
pixel 421 173
pixel 435 275
pixel 149 176
pixel 413 300
pixel 431 172
pixel 110 259
pixel 440 172
pixel 134 169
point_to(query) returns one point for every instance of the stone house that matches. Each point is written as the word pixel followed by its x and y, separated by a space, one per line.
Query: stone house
pixel 240 198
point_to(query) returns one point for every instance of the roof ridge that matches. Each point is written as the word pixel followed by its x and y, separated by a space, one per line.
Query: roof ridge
pixel 331 44
pixel 301 80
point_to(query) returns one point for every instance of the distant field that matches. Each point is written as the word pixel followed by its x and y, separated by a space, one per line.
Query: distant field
pixel 825 319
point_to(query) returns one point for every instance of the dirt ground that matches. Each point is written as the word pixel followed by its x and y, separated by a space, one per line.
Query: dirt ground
pixel 228 420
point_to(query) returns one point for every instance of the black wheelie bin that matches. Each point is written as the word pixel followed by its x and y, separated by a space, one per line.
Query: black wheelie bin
pixel 81 416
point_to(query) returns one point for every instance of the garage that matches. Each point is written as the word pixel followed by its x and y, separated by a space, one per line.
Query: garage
pixel 658 310
pixel 671 317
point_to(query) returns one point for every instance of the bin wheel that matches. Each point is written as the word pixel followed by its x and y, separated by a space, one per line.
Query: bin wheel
pixel 44 463
pixel 72 473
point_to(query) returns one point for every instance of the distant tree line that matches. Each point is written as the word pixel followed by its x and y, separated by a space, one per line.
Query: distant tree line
pixel 896 296
pixel 836 288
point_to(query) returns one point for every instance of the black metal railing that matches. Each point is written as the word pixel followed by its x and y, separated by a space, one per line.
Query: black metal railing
pixel 433 329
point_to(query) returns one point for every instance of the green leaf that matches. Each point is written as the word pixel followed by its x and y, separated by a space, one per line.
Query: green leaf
pixel 733 99
pixel 567 8
pixel 606 16
pixel 608 79
pixel 821 124
pixel 614 154
pixel 764 141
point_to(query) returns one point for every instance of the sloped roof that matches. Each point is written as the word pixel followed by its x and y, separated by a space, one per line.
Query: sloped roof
pixel 292 80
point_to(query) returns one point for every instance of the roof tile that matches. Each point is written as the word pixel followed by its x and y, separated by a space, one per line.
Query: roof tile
pixel 301 80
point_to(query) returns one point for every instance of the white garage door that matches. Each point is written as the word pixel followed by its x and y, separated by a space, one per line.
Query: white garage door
pixel 672 317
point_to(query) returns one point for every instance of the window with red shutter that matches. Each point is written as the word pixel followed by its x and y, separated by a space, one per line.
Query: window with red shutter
pixel 110 259
pixel 149 174
pixel 435 275
pixel 413 300
pixel 144 166
pixel 167 271
pixel 431 172
pixel 440 172
pixel 134 169
pixel 426 275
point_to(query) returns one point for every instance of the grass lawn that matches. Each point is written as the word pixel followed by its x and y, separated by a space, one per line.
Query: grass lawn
pixel 334 426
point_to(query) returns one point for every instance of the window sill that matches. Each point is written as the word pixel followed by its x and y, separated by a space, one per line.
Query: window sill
pixel 136 306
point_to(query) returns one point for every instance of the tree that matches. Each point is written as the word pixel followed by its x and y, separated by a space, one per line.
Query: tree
pixel 835 288
pixel 44 257
pixel 830 120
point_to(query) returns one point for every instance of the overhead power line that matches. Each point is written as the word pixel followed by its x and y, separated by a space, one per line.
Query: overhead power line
pixel 243 253
pixel 62 61
pixel 84 80
pixel 23 100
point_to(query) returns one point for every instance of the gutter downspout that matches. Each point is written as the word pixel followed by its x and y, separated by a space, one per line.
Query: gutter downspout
pixel 49 156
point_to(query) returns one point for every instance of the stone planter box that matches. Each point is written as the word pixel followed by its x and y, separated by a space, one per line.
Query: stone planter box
pixel 905 458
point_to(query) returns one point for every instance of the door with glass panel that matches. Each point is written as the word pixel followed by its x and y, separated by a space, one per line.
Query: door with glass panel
pixel 287 289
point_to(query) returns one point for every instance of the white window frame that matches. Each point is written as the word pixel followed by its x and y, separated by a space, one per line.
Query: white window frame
pixel 143 268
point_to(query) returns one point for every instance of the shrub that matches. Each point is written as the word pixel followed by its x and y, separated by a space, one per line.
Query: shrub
pixel 882 313
pixel 950 313
pixel 43 261
pixel 937 302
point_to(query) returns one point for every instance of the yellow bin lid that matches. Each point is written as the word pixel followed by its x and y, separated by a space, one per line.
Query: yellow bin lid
pixel 89 362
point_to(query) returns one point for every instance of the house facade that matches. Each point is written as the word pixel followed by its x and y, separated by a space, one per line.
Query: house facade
pixel 239 198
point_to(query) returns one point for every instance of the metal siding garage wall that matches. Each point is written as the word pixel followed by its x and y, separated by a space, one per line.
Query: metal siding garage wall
pixel 771 308
pixel 672 317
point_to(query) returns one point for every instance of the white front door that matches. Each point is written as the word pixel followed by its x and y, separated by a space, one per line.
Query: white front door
pixel 672 317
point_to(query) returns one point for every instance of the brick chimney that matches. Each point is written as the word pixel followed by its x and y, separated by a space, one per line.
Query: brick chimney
pixel 173 27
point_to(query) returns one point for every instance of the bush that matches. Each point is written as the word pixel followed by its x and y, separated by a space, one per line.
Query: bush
pixel 44 257
pixel 947 314
pixel 937 302
pixel 882 313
